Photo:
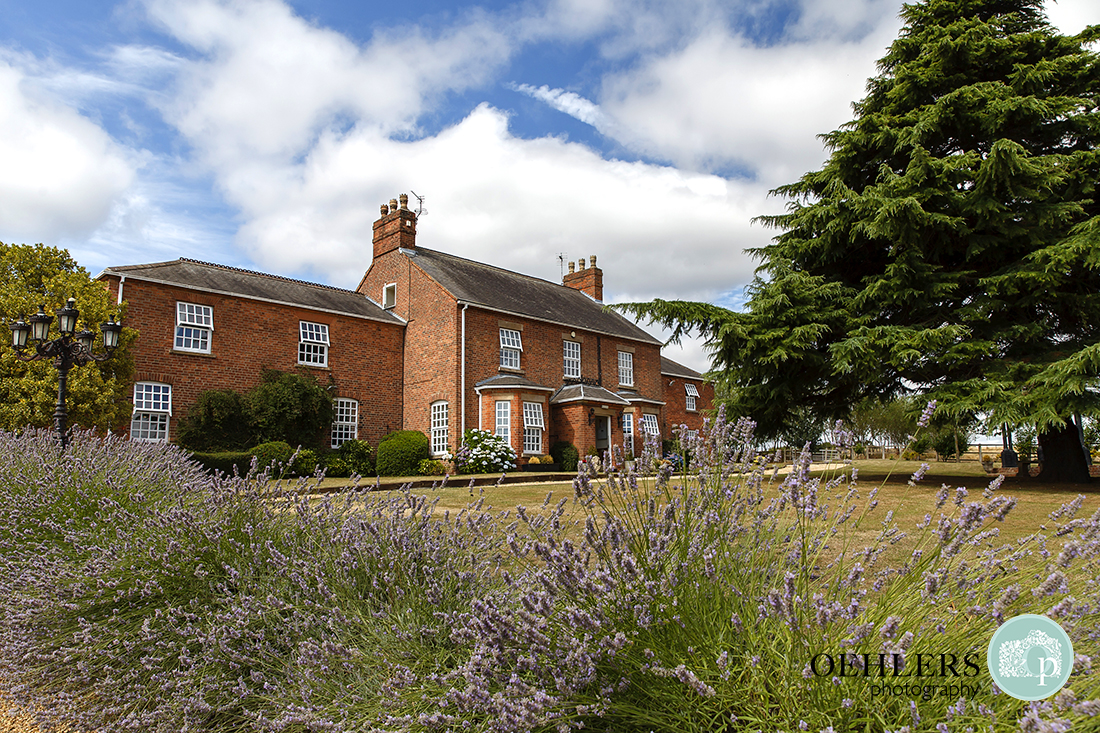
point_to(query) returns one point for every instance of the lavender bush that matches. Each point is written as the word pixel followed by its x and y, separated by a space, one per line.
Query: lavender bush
pixel 139 594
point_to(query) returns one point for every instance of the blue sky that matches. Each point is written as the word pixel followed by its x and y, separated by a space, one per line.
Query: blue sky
pixel 265 133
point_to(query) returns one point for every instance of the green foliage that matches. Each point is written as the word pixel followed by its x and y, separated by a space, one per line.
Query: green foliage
pixel 358 456
pixel 430 467
pixel 218 421
pixel 336 466
pixel 291 407
pixel 227 462
pixel 275 454
pixel 565 455
pixel 950 243
pixel 304 463
pixel 99 393
pixel 400 453
pixel 944 442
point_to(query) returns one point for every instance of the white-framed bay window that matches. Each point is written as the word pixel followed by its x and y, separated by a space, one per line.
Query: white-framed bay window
pixel 504 420
pixel 194 324
pixel 345 421
pixel 152 408
pixel 572 358
pixel 626 369
pixel 533 425
pixel 511 345
pixel 439 428
pixel 312 344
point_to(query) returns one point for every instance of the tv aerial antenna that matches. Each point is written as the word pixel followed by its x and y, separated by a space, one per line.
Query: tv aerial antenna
pixel 420 210
pixel 561 263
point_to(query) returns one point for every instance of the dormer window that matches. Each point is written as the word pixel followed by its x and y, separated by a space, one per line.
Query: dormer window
pixel 510 347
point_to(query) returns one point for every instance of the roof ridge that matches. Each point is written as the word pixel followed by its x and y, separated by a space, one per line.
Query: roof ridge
pixel 495 267
pixel 267 274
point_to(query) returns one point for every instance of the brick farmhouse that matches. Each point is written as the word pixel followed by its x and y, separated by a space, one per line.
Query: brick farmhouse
pixel 428 342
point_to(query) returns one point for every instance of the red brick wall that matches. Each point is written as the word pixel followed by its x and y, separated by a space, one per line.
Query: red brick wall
pixel 431 367
pixel 364 357
pixel 542 362
pixel 676 412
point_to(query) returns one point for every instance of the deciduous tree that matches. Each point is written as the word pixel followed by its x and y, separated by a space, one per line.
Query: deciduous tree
pixel 99 393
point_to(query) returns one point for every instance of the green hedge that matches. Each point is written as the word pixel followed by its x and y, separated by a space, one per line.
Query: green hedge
pixel 277 452
pixel 565 455
pixel 400 453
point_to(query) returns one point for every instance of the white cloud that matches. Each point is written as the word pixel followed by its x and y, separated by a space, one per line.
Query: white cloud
pixel 62 174
pixel 722 101
pixel 268 81
pixel 570 103
pixel 514 203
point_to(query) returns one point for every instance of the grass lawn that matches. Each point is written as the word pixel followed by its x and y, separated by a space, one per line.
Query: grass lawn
pixel 910 504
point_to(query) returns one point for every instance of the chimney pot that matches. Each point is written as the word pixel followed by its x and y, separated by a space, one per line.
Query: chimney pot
pixel 393 205
pixel 385 209
pixel 572 266
pixel 592 261
pixel 404 201
pixel 580 264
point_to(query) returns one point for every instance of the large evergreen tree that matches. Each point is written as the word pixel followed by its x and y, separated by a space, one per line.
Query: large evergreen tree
pixel 950 244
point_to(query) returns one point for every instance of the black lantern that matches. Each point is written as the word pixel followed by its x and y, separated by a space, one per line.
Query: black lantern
pixel 68 350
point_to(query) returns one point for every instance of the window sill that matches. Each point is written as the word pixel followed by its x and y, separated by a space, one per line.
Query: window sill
pixel 315 366
pixel 185 352
pixel 511 370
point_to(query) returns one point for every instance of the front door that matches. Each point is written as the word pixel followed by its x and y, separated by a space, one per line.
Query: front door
pixel 603 433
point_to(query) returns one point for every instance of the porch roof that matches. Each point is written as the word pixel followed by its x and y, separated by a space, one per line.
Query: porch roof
pixel 586 393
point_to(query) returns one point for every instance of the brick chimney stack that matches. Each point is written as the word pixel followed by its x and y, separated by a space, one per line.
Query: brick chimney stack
pixel 588 280
pixel 395 228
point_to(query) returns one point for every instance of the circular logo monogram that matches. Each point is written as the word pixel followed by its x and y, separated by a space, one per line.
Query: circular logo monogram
pixel 1030 657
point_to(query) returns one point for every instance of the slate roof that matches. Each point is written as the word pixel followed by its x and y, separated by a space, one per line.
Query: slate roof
pixel 510 292
pixel 223 280
pixel 673 369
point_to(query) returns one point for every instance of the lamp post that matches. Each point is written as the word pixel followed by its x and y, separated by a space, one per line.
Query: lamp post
pixel 70 349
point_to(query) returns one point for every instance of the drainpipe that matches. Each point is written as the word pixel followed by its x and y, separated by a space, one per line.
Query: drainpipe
pixel 463 378
pixel 121 282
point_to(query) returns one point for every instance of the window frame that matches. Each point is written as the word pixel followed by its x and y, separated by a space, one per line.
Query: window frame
pixel 389 296
pixel 533 425
pixel 502 428
pixel 310 344
pixel 147 411
pixel 194 327
pixel 511 349
pixel 338 433
pixel 650 424
pixel 439 427
pixel 571 360
pixel 626 369
pixel 628 433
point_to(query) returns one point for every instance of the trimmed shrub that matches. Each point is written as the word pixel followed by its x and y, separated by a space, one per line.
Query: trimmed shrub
pixel 276 452
pixel 483 452
pixel 336 466
pixel 358 456
pixel 217 422
pixel 305 463
pixel 565 455
pixel 224 461
pixel 400 453
pixel 431 467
